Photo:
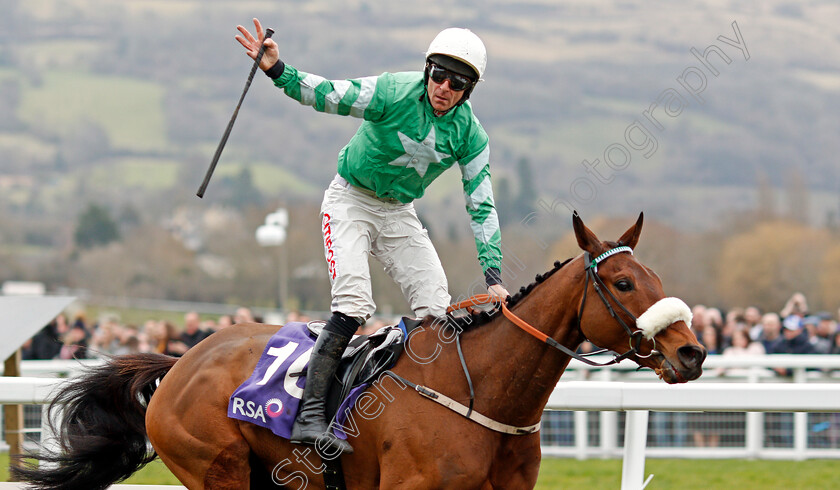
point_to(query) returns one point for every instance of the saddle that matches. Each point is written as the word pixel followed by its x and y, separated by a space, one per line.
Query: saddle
pixel 271 396
pixel 365 359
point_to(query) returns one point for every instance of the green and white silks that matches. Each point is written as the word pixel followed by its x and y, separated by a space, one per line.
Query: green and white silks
pixel 401 146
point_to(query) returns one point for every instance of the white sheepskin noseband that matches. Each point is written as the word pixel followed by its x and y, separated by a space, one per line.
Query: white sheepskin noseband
pixel 661 314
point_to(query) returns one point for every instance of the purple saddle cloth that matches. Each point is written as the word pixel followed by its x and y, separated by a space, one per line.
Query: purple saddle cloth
pixel 271 396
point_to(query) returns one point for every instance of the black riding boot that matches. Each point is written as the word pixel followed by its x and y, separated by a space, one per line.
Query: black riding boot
pixel 311 424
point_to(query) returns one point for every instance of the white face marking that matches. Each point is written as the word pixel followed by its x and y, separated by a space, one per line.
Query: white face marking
pixel 661 314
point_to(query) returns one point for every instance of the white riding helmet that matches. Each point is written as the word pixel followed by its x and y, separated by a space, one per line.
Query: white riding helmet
pixel 461 44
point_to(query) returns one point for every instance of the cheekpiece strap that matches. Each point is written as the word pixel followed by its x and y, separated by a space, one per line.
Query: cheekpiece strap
pixel 609 253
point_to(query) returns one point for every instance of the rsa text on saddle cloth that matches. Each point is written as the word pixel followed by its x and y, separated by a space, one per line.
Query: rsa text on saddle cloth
pixel 271 396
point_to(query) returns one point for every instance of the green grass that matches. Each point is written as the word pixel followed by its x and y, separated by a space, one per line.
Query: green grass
pixel 581 138
pixel 687 474
pixel 137 317
pixel 628 108
pixel 129 110
pixel 269 178
pixel 26 144
pixel 159 174
pixel 60 53
pixel 147 173
pixel 595 474
pixel 8 74
pixel 154 473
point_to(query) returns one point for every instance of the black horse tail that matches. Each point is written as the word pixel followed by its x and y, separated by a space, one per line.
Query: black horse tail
pixel 101 435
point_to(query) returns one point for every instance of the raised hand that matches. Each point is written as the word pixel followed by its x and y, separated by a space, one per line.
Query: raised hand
pixel 252 45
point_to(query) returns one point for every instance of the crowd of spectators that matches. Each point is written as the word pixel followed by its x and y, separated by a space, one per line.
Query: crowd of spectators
pixel 795 329
pixel 747 331
pixel 80 339
pixel 77 338
pixel 740 331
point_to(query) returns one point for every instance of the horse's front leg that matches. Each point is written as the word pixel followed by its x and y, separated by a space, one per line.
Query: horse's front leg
pixel 444 451
pixel 517 463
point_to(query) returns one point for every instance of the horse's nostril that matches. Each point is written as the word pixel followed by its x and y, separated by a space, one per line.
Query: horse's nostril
pixel 692 356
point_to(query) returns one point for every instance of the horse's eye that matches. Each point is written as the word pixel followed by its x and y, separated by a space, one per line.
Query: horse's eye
pixel 624 285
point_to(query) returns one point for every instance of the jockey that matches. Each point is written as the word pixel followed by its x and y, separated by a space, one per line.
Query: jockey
pixel 415 126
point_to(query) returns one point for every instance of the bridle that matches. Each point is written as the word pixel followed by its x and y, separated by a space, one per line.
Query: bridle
pixel 591 271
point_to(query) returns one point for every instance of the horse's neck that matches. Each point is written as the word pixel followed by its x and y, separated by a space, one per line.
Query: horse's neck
pixel 515 373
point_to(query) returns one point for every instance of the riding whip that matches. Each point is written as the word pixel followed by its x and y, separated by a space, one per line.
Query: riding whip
pixel 268 33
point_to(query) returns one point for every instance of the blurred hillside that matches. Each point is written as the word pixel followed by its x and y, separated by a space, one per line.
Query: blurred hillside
pixel 121 105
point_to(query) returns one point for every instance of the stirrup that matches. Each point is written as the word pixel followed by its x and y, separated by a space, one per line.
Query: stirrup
pixel 328 441
pixel 325 440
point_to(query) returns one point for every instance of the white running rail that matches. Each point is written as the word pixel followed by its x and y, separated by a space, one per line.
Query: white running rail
pixel 635 398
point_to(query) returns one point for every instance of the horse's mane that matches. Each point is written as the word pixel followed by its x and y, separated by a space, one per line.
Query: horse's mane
pixel 477 319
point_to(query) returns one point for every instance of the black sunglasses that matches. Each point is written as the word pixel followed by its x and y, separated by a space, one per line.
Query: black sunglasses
pixel 456 82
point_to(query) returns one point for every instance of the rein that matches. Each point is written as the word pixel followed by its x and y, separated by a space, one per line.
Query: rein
pixel 591 269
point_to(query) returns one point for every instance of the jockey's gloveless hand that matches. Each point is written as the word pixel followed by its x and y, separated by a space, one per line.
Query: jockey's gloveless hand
pixel 498 293
pixel 252 45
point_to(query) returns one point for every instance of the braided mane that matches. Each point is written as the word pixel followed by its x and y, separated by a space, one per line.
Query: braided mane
pixel 477 319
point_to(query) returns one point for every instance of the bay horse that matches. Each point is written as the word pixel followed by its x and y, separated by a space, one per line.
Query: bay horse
pixel 402 439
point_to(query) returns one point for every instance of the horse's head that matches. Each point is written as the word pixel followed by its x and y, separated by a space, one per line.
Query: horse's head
pixel 624 307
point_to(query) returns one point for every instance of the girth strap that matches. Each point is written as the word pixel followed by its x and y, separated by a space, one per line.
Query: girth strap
pixel 334 474
pixel 467 412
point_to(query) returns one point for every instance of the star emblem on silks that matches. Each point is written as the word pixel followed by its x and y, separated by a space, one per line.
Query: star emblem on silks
pixel 419 154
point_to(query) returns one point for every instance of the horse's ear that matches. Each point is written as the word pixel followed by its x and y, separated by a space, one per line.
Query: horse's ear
pixel 585 238
pixel 631 236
